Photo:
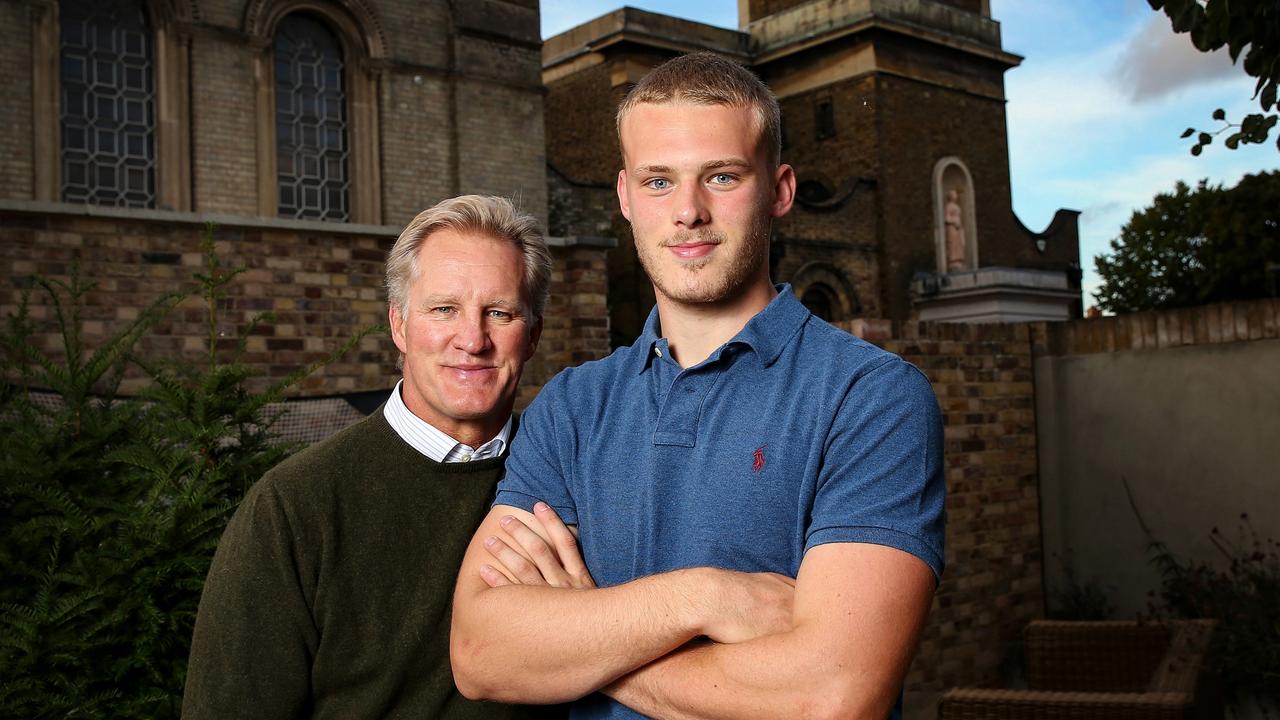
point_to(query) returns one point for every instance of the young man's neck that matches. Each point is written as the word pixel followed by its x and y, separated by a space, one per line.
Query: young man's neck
pixel 694 330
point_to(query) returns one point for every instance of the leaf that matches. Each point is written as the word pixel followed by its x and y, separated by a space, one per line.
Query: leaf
pixel 1219 114
pixel 1205 139
pixel 1188 132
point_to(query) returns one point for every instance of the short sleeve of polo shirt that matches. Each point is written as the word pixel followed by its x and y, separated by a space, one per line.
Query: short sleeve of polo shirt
pixel 882 476
pixel 538 467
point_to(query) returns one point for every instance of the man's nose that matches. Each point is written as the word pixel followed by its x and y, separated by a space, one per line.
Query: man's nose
pixel 472 334
pixel 691 207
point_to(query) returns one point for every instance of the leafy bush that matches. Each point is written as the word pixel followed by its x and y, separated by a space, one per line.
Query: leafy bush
pixel 1244 597
pixel 112 508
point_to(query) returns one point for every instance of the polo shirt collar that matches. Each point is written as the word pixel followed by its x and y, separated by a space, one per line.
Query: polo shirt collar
pixel 766 333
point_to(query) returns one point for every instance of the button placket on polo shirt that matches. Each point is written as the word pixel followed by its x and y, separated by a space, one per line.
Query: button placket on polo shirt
pixel 681 409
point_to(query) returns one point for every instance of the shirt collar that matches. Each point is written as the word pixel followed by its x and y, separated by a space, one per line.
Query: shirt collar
pixel 766 333
pixel 433 442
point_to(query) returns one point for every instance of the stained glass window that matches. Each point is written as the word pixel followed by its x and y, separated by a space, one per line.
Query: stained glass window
pixel 312 151
pixel 107 104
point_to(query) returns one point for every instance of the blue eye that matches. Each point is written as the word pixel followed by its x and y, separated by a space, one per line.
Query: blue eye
pixel 722 178
pixel 658 184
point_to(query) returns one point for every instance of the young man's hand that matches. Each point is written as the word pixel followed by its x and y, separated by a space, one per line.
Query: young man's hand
pixel 533 561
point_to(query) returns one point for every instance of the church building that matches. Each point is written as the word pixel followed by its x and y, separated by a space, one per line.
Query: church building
pixel 893 117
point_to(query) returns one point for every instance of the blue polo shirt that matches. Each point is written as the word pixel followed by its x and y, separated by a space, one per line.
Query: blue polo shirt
pixel 790 435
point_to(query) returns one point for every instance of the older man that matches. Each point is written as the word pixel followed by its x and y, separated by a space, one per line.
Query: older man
pixel 329 594
pixel 739 443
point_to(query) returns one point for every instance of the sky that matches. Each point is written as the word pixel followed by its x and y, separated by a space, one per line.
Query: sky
pixel 1094 111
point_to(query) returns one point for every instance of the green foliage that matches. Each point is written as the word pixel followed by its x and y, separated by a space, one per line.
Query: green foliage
pixel 1236 25
pixel 112 509
pixel 1193 247
pixel 1244 597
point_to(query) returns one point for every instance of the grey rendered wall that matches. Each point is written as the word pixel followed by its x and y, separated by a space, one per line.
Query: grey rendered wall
pixel 1195 430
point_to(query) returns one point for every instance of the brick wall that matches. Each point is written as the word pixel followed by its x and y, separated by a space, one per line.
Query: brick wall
pixel 982 376
pixel 224 126
pixel 15 112
pixel 322 284
pixel 418 31
pixel 417 133
pixel 581 138
pixel 576 327
pixel 843 236
pixel 503 155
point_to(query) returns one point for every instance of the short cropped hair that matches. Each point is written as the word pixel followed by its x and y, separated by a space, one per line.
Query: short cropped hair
pixel 704 78
pixel 487 215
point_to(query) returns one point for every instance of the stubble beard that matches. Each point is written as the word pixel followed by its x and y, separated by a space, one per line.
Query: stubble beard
pixel 693 281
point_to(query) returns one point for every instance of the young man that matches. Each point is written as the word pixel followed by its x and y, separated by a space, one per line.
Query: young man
pixel 330 591
pixel 739 443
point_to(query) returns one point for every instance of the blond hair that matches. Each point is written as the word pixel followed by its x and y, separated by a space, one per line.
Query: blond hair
pixel 704 78
pixel 487 215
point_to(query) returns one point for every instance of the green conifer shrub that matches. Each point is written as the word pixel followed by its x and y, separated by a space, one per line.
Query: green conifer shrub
pixel 110 510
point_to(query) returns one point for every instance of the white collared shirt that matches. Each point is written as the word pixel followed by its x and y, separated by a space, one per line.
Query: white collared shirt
pixel 433 442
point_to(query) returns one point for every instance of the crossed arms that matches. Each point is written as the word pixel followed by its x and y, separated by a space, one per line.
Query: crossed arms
pixel 836 644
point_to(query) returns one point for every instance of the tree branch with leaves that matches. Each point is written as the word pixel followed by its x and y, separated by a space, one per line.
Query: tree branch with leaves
pixel 1244 27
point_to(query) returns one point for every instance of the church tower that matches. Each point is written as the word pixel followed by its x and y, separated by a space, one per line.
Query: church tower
pixel 894 119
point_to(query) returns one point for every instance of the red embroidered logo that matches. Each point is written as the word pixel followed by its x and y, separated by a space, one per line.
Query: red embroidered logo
pixel 758 463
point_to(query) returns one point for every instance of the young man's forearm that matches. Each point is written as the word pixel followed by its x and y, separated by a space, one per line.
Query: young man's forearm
pixel 859 611
pixel 544 644
pixel 539 644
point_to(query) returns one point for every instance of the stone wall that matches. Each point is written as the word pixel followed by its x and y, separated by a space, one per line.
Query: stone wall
pixel 322 282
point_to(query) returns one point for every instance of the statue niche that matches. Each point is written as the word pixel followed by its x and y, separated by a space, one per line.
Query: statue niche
pixel 954 220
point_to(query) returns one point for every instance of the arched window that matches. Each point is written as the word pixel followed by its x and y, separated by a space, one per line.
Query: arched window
pixel 312 147
pixel 826 290
pixel 107 106
pixel 820 300
pixel 317 108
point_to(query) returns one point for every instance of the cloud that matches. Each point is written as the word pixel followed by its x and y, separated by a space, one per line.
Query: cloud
pixel 1159 62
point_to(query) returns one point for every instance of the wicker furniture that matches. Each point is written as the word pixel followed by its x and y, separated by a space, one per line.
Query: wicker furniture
pixel 1102 671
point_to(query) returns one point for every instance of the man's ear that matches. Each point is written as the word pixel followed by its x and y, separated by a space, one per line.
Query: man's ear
pixel 535 334
pixel 784 190
pixel 396 320
pixel 623 204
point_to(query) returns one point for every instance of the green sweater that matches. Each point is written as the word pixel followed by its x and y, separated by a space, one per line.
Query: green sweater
pixel 330 592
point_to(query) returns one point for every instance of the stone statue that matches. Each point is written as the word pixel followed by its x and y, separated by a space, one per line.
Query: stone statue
pixel 953 219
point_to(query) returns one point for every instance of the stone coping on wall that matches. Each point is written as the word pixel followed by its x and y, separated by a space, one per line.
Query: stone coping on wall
pixel 41 207
pixel 1158 329
pixel 807 22
pixel 1161 329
